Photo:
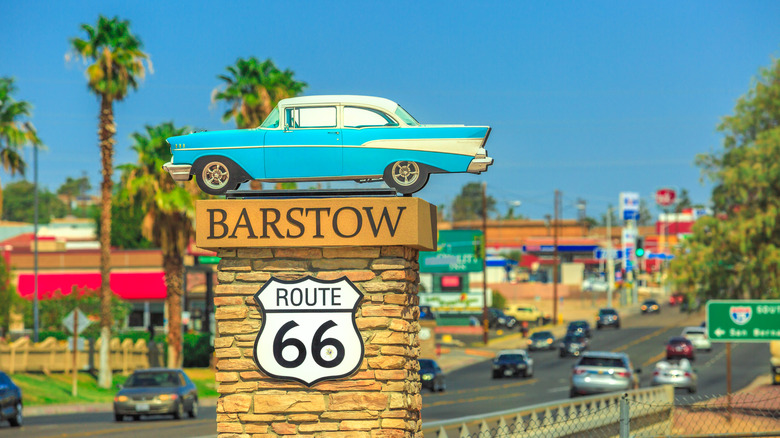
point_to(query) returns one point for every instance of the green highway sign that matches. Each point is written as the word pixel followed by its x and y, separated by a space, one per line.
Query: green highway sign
pixel 743 320
pixel 208 260
pixel 457 251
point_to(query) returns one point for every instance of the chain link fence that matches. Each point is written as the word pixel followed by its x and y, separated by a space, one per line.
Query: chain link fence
pixel 643 413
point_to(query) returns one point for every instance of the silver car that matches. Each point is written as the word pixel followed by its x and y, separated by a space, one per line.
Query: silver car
pixel 677 373
pixel 598 372
pixel 698 337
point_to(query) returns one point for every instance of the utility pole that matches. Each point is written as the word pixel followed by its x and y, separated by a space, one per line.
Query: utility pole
pixel 484 264
pixel 555 258
pixel 610 259
pixel 35 245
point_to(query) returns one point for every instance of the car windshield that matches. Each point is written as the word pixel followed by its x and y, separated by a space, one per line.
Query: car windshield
pixel 577 325
pixel 272 121
pixel 512 357
pixel 572 338
pixel 406 117
pixel 611 362
pixel 426 364
pixel 608 312
pixel 541 335
pixel 146 379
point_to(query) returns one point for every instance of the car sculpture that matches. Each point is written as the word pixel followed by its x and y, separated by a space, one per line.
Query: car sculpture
pixel 330 138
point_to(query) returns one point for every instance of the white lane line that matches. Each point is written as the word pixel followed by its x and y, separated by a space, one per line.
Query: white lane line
pixel 560 389
pixel 720 355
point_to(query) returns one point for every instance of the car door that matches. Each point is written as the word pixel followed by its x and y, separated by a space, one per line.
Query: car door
pixel 6 394
pixel 309 146
pixel 367 135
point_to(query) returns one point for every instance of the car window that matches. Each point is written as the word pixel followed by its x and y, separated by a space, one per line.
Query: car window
pixel 406 117
pixel 355 117
pixel 147 379
pixel 272 121
pixel 611 362
pixel 4 379
pixel 511 357
pixel 311 117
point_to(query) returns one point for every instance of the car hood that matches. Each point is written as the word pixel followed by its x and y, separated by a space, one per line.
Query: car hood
pixel 508 362
pixel 147 391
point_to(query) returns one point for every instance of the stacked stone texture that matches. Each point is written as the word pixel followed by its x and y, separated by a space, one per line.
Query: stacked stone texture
pixel 382 399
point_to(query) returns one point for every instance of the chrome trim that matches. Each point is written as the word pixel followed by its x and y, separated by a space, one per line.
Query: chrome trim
pixel 479 165
pixel 179 172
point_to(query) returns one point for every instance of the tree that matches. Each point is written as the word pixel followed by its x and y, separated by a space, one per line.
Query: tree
pixel 129 235
pixel 468 204
pixel 74 188
pixel 251 90
pixel 645 217
pixel 736 253
pixel 15 130
pixel 169 218
pixel 59 304
pixel 683 202
pixel 10 301
pixel 613 217
pixel 117 65
pixel 19 204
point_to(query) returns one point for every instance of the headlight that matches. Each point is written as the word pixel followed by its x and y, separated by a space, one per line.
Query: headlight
pixel 120 398
pixel 165 397
pixel 495 367
pixel 427 376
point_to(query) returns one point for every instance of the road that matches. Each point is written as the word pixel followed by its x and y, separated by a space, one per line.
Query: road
pixel 472 391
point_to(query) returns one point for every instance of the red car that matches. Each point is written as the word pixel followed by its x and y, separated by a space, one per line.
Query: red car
pixel 676 299
pixel 679 347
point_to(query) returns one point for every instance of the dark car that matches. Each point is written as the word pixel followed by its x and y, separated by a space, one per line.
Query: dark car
pixel 573 344
pixel 512 363
pixel 431 376
pixel 10 401
pixel 679 347
pixel 650 306
pixel 498 319
pixel 543 340
pixel 579 327
pixel 156 391
pixel 607 318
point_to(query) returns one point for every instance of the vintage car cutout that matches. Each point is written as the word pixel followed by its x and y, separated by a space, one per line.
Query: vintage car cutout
pixel 321 138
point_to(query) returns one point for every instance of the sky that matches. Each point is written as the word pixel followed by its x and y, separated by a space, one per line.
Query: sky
pixel 589 98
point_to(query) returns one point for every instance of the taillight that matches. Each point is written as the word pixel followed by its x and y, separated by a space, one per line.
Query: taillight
pixel 622 374
pixel 687 374
pixel 656 372
pixel 578 371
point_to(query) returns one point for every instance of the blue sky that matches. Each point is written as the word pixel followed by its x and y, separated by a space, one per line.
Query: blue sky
pixel 591 98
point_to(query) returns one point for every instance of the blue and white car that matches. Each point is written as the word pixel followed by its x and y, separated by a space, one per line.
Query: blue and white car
pixel 330 138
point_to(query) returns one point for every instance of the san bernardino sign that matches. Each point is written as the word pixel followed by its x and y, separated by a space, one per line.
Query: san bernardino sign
pixel 308 331
pixel 743 320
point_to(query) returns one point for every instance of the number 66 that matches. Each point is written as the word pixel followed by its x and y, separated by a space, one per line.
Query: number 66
pixel 317 344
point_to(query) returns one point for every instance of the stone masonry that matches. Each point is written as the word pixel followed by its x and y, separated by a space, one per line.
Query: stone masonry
pixel 382 399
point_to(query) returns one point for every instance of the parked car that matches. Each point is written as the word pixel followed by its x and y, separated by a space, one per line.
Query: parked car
pixel 650 306
pixel 525 312
pixel 679 347
pixel 10 401
pixel 579 327
pixel 156 391
pixel 431 375
pixel 607 317
pixel 498 319
pixel 595 284
pixel 543 340
pixel 698 337
pixel 317 138
pixel 510 363
pixel 677 373
pixel 676 298
pixel 573 344
pixel 598 372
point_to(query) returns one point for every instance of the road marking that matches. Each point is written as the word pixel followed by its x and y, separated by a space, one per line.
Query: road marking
pixel 472 400
pixel 561 389
pixel 721 354
pixel 490 388
pixel 642 339
pixel 129 429
pixel 658 357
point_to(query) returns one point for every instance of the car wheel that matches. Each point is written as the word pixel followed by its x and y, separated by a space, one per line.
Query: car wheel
pixel 528 373
pixel 216 175
pixel 118 417
pixel 406 177
pixel 598 327
pixel 443 386
pixel 617 326
pixel 562 354
pixel 17 420
pixel 179 412
pixel 572 393
pixel 194 409
pixel 496 375
pixel 136 417
pixel 692 390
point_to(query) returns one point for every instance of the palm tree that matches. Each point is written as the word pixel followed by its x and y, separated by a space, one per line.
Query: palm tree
pixel 170 212
pixel 117 64
pixel 252 89
pixel 15 132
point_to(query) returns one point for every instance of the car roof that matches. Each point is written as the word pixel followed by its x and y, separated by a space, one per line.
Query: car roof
pixel 694 329
pixel 608 310
pixel 513 351
pixel 650 300
pixel 605 354
pixel 577 323
pixel 343 99
pixel 678 339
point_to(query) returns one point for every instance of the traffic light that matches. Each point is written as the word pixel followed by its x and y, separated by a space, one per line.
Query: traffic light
pixel 639 250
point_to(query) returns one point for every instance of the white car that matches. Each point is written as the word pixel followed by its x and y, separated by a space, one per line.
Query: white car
pixel 595 284
pixel 698 337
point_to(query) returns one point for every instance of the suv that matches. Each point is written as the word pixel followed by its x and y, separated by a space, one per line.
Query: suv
pixel 497 319
pixel 598 372
pixel 578 327
pixel 512 363
pixel 525 312
pixel 607 318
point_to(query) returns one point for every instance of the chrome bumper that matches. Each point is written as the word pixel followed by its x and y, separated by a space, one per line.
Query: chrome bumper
pixel 480 163
pixel 179 172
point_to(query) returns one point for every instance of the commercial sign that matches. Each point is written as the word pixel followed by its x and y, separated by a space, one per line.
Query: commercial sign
pixel 404 221
pixel 457 251
pixel 665 197
pixel 629 206
pixel 743 320
pixel 309 332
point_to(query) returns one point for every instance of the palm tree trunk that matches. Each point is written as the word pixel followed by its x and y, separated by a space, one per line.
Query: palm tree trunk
pixel 173 265
pixel 106 131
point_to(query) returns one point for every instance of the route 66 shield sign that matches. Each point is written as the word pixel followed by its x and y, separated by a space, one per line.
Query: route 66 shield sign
pixel 308 332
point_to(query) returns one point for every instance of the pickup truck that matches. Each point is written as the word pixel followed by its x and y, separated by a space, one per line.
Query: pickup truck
pixel 525 312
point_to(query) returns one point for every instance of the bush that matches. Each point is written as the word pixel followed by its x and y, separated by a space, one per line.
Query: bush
pixel 499 302
pixel 196 350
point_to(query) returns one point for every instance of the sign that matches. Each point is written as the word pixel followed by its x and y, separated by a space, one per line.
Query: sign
pixel 743 320
pixel 307 222
pixel 629 206
pixel 309 332
pixel 665 197
pixel 600 254
pixel 457 251
pixel 84 322
pixel 208 260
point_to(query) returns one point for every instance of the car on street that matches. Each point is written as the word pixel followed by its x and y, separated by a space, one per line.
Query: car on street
pixel 598 372
pixel 650 306
pixel 525 312
pixel 607 317
pixel 431 375
pixel 595 284
pixel 573 344
pixel 698 337
pixel 678 373
pixel 330 138
pixel 156 391
pixel 543 340
pixel 679 347
pixel 676 298
pixel 498 319
pixel 10 401
pixel 512 363
pixel 581 326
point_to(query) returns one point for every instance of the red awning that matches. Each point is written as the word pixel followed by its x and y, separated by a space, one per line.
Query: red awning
pixel 128 285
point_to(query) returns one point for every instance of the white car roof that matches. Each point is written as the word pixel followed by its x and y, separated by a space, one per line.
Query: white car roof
pixel 694 330
pixel 344 99
pixel 515 351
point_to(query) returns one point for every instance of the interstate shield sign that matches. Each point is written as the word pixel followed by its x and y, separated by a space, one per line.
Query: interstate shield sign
pixel 308 333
